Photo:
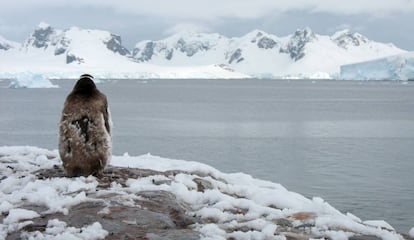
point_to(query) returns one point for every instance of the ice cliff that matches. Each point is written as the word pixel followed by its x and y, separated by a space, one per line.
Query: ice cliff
pixel 397 67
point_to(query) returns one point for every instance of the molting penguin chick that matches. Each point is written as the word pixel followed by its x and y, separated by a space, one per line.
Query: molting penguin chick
pixel 85 130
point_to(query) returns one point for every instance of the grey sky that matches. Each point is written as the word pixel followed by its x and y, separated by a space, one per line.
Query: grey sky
pixel 136 20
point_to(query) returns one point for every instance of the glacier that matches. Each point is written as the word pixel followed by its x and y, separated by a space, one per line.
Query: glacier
pixel 397 67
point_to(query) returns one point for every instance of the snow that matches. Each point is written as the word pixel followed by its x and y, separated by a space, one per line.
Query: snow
pixel 379 224
pixel 39 79
pixel 315 75
pixel 7 44
pixel 411 232
pixel 86 51
pixel 234 201
pixel 18 214
pixel 397 67
pixel 43 25
pixel 322 54
pixel 71 52
pixel 56 229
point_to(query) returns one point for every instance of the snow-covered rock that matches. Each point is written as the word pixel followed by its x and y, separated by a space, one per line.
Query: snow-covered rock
pixel 398 67
pixel 177 49
pixel 296 45
pixel 61 41
pixel 347 39
pixel 7 44
pixel 37 201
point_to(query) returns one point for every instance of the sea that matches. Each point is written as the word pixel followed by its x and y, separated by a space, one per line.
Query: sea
pixel 348 142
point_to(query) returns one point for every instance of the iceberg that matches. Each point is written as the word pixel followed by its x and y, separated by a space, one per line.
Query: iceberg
pixel 397 67
pixel 30 80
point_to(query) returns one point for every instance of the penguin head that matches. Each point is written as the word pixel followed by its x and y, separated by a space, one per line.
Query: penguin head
pixel 85 85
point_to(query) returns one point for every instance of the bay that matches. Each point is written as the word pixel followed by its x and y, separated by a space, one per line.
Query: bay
pixel 349 142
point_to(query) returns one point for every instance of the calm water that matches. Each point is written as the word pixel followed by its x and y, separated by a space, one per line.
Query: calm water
pixel 351 143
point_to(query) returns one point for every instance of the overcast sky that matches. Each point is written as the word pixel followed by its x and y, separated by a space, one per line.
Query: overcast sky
pixel 136 20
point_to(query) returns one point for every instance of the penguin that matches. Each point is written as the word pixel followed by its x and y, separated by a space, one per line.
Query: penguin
pixel 85 130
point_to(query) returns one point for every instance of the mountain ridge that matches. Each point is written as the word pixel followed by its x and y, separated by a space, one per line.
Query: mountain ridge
pixel 256 54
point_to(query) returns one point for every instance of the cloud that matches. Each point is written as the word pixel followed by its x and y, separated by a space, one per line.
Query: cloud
pixel 355 28
pixel 213 9
pixel 186 27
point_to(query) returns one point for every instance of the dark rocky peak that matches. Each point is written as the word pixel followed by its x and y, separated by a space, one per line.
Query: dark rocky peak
pixel 235 56
pixel 145 50
pixel 42 36
pixel 261 39
pixel 296 45
pixel 115 44
pixel 189 43
pixel 256 35
pixel 62 45
pixel 72 58
pixel 346 38
pixel 192 46
pixel 266 43
pixel 145 53
pixel 4 46
pixel 304 34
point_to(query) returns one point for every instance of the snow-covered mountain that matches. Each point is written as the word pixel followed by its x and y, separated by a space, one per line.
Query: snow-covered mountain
pixel 74 45
pixel 68 53
pixel 190 55
pixel 261 54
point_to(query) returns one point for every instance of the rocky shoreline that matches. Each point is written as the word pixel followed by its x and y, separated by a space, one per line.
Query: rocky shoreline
pixel 152 215
pixel 148 197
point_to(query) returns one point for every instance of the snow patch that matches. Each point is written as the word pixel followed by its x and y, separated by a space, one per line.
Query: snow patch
pixel 57 229
pixel 380 224
pixel 18 214
pixel 411 232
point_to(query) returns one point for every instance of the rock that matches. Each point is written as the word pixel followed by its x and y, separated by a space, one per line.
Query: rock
pixel 202 184
pixel 296 236
pixel 266 43
pixel 236 56
pixel 192 47
pixel 115 44
pixel 147 214
pixel 155 214
pixel 297 43
pixel 346 39
pixel 72 58
pixel 364 237
pixel 158 215
pixel 41 36
pixel 147 52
